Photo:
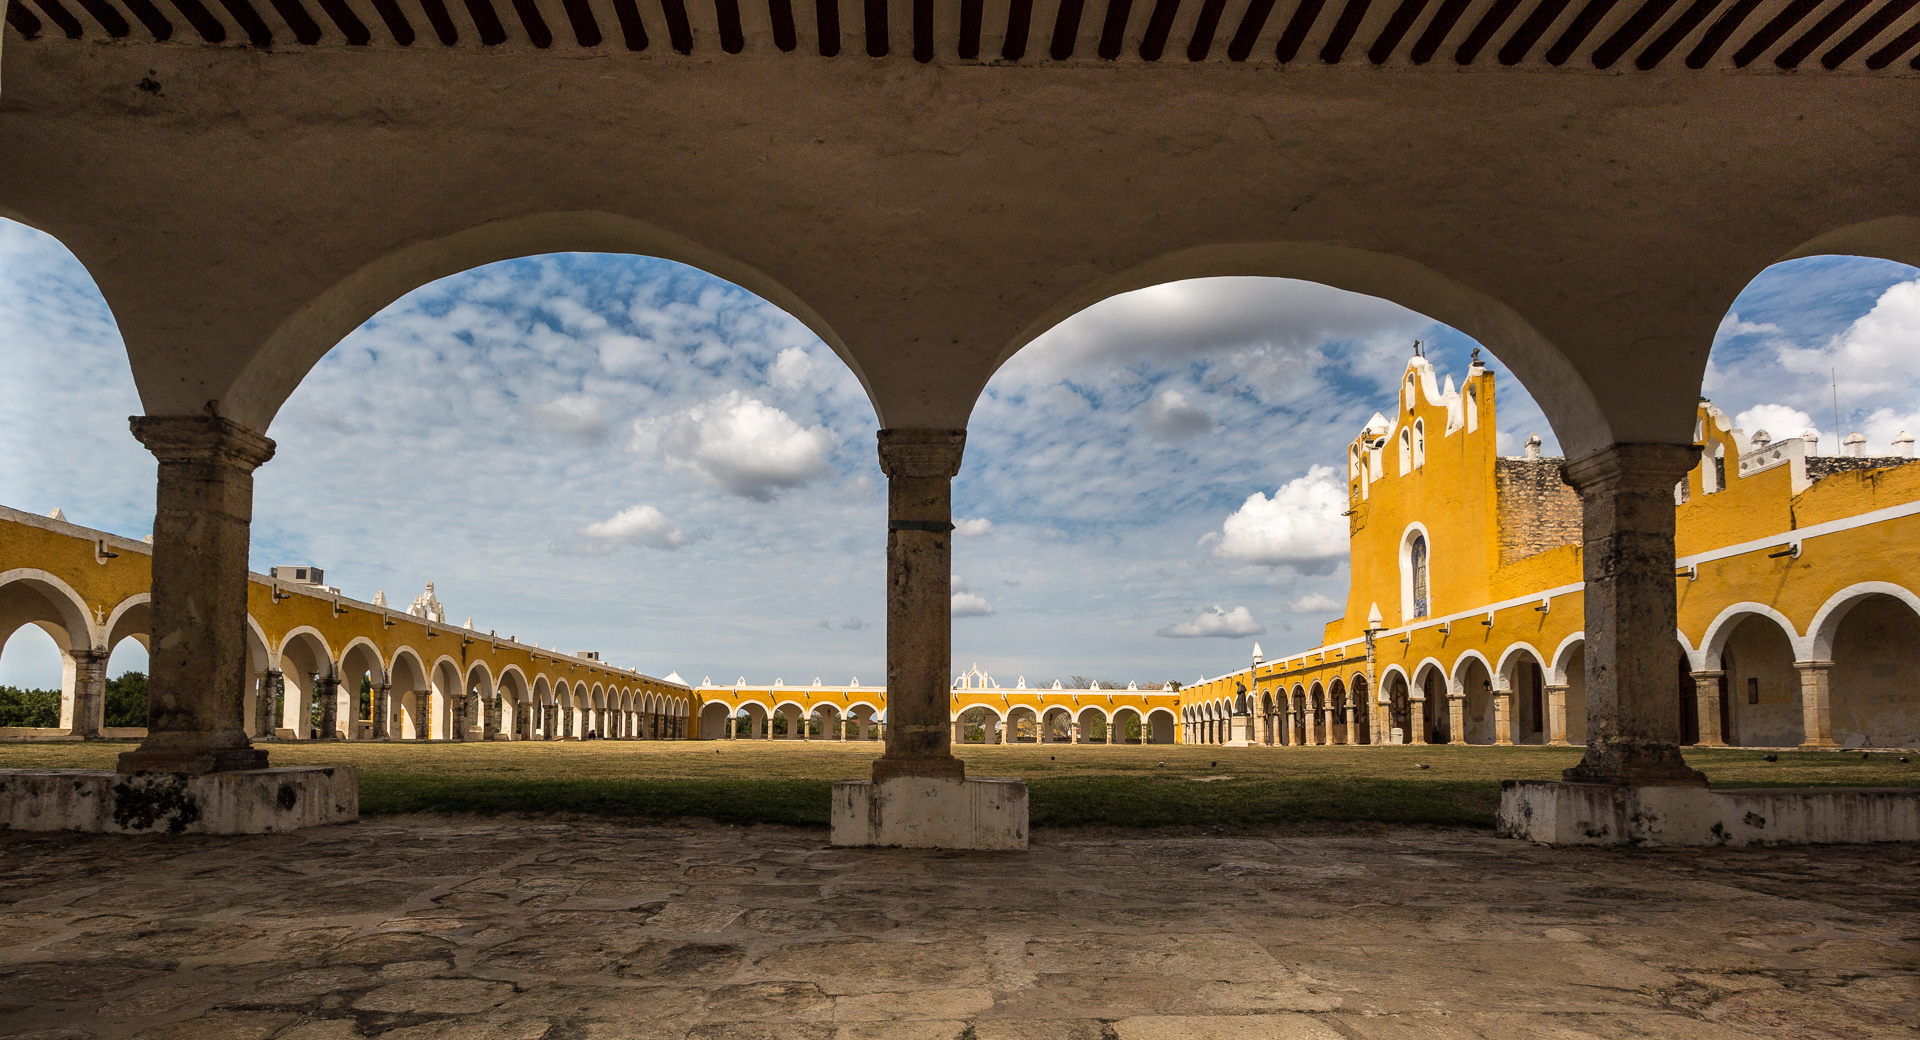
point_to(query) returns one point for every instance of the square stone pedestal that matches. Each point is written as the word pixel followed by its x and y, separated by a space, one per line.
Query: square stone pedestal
pixel 241 801
pixel 931 813
pixel 1555 813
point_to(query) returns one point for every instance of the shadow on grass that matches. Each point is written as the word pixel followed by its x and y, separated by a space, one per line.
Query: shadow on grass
pixel 1121 801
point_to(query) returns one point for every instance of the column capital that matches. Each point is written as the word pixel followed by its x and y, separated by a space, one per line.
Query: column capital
pixel 1806 666
pixel 1630 468
pixel 201 438
pixel 1710 673
pixel 921 453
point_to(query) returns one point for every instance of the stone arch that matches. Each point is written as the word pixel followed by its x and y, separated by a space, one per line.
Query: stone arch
pixel 445 684
pixel 131 618
pixel 1051 730
pixel 29 595
pixel 1757 654
pixel 1473 678
pixel 1560 389
pixel 1396 693
pixel 1157 727
pixel 790 711
pixel 479 697
pixel 409 698
pixel 714 716
pixel 1522 671
pixel 516 696
pixel 360 664
pixel 307 668
pixel 1826 621
pixel 1713 645
pixel 1086 717
pixel 276 367
pixel 1869 639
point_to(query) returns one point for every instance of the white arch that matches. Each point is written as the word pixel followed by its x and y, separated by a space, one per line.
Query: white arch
pixel 138 599
pixel 326 652
pixel 998 713
pixel 1460 663
pixel 870 706
pixel 1714 643
pixel 379 663
pixel 1416 690
pixel 1517 648
pixel 1826 621
pixel 68 604
pixel 1557 671
pixel 514 670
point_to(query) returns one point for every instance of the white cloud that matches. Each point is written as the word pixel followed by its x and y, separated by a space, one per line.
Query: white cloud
pixel 1216 622
pixel 1312 603
pixel 743 444
pixel 1731 325
pixel 1778 420
pixel 792 367
pixel 1174 417
pixel 581 416
pixel 1875 352
pixel 1299 527
pixel 975 527
pixel 965 602
pixel 639 525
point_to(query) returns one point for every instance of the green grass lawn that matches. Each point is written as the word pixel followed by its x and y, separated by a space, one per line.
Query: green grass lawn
pixel 782 782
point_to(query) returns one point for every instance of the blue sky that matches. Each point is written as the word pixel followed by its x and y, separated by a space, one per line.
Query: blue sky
pixel 622 454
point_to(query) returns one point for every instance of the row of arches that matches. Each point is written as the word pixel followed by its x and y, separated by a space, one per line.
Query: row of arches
pixel 301 688
pixel 791 720
pixel 1058 724
pixel 1851 679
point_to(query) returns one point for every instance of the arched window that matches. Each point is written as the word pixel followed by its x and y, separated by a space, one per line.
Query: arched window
pixel 1413 576
pixel 1406 452
pixel 1419 443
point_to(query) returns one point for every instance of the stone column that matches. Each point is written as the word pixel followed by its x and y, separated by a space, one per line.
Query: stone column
pixel 328 690
pixel 1556 716
pixel 1816 703
pixel 1113 730
pixel 264 718
pixel 1417 721
pixel 1286 722
pixel 1503 716
pixel 1347 738
pixel 1326 724
pixel 382 711
pixel 1706 685
pixel 920 465
pixel 89 692
pixel 197 656
pixel 1456 716
pixel 1633 685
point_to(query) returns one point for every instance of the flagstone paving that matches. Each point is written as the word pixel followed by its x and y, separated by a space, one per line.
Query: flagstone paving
pixel 529 929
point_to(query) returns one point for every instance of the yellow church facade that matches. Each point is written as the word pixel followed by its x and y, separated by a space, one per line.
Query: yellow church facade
pixel 1796 578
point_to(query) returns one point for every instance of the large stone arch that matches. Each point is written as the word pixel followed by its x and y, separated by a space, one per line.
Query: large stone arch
pixel 1826 621
pixel 1578 418
pixel 32 596
pixel 287 352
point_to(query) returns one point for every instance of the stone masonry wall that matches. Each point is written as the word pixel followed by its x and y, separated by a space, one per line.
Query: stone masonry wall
pixel 1538 511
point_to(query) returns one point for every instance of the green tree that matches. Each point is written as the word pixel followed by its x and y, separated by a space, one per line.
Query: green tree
pixel 126 700
pixel 35 708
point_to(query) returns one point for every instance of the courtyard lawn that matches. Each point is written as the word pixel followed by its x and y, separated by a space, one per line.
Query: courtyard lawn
pixel 1156 786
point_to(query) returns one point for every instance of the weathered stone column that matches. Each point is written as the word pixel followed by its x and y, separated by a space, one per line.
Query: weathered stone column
pixel 264 718
pixel 1417 719
pixel 197 656
pixel 1347 737
pixel 920 466
pixel 1816 703
pixel 1456 714
pixel 89 693
pixel 1556 716
pixel 1286 722
pixel 1113 728
pixel 1706 685
pixel 1326 724
pixel 1502 717
pixel 1633 686
pixel 329 693
pixel 382 711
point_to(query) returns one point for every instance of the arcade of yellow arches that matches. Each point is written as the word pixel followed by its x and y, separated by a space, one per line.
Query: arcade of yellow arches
pixel 1799 623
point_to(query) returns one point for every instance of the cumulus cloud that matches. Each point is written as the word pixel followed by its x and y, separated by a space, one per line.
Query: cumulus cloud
pixel 1778 420
pixel 974 527
pixel 1312 603
pixel 639 525
pixel 746 446
pixel 1174 417
pixel 580 416
pixel 1876 351
pixel 792 367
pixel 1216 622
pixel 1299 527
pixel 967 603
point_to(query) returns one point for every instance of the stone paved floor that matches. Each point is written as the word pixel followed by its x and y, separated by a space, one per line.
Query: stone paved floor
pixel 509 929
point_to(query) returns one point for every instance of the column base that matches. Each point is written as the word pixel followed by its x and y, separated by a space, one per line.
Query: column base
pixel 1560 813
pixel 194 761
pixel 253 801
pixel 922 812
pixel 1636 764
pixel 945 767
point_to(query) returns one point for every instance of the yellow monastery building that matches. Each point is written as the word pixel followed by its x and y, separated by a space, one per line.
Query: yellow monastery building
pixel 1799 624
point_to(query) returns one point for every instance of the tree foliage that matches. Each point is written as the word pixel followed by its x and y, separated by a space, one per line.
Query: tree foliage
pixel 126 700
pixel 34 708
